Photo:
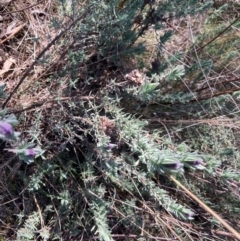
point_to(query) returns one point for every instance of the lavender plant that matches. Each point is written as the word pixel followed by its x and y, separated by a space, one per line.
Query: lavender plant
pixel 25 151
pixel 107 171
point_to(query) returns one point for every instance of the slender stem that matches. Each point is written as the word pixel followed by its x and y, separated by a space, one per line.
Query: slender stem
pixel 208 209
pixel 40 56
pixel 222 32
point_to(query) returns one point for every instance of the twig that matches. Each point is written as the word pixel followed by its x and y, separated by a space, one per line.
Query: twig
pixel 39 210
pixel 204 231
pixel 208 209
pixel 216 94
pixel 201 47
pixel 23 8
pixel 16 30
pixel 40 56
pixel 214 85
pixel 224 30
pixel 49 101
pixel 138 237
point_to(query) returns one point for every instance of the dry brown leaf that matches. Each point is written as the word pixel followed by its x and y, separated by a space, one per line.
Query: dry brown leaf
pixel 107 125
pixel 7 65
pixel 135 76
pixel 4 2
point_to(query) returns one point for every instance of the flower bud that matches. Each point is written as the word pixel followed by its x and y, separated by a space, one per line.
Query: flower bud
pixel 172 166
pixel 110 146
pixel 30 152
pixel 193 161
pixel 6 130
pixel 187 215
pixel 196 162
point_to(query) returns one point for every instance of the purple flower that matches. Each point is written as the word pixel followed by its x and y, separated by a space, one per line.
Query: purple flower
pixel 110 146
pixel 173 166
pixel 187 215
pixel 30 152
pixel 6 129
pixel 195 163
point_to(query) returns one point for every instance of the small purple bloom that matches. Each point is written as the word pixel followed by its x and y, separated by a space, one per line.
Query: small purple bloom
pixel 196 163
pixel 173 166
pixel 110 146
pixel 6 129
pixel 190 216
pixel 30 152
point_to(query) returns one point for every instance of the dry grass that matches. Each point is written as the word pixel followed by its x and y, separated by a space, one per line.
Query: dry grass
pixel 25 32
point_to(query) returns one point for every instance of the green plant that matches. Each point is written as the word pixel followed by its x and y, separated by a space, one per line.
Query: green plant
pixel 112 145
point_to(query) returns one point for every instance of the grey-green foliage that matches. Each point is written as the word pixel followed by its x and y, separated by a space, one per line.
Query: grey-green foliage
pixel 151 159
pixel 2 93
pixel 161 196
pixel 186 100
pixel 114 30
pixel 31 225
pixel 99 210
pixel 126 165
pixel 152 91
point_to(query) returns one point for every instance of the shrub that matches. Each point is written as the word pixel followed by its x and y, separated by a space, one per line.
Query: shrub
pixel 107 167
